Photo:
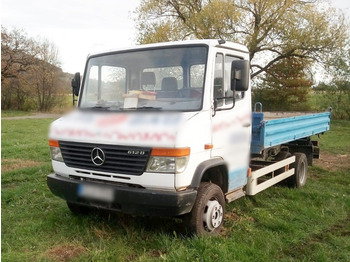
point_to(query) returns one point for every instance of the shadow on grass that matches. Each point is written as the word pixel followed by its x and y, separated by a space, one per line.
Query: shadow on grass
pixel 131 224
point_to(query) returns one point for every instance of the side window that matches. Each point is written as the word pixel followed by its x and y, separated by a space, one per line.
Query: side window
pixel 92 84
pixel 228 91
pixel 218 79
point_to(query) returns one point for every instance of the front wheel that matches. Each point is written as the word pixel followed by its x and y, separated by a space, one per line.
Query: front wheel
pixel 207 215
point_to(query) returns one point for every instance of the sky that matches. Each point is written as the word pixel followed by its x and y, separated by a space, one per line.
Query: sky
pixel 80 27
pixel 76 27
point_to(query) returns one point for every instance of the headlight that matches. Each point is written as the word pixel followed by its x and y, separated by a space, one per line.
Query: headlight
pixel 55 151
pixel 56 154
pixel 160 164
pixel 164 160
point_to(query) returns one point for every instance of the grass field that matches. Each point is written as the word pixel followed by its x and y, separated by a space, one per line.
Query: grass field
pixel 279 224
pixel 11 113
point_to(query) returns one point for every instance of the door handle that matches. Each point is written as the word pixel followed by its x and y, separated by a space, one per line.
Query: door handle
pixel 246 125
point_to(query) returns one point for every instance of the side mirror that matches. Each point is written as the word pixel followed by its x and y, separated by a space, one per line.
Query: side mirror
pixel 240 75
pixel 76 84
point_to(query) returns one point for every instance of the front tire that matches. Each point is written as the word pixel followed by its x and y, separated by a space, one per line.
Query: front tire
pixel 207 215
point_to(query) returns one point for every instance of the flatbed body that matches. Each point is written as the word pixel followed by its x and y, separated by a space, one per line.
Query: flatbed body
pixel 274 131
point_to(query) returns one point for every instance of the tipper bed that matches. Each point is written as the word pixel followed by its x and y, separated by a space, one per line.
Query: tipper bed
pixel 276 131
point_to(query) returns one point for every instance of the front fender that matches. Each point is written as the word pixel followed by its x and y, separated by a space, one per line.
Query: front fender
pixel 206 165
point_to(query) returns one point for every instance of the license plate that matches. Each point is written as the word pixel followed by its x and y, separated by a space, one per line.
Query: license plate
pixel 96 192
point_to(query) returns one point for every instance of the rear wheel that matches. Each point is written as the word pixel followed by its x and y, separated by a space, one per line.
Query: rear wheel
pixel 207 215
pixel 300 174
pixel 281 156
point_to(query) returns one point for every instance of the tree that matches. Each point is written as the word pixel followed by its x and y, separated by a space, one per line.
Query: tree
pixel 286 87
pixel 273 30
pixel 30 72
pixel 17 56
pixel 17 52
pixel 335 93
pixel 46 74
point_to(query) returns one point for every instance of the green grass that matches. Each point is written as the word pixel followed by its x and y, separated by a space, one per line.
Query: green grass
pixel 25 139
pixel 11 113
pixel 337 140
pixel 279 224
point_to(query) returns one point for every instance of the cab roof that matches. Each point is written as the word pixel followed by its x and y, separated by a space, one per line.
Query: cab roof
pixel 208 42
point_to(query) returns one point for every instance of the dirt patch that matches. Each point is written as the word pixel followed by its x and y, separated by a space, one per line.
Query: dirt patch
pixel 333 162
pixel 13 164
pixel 238 216
pixel 158 253
pixel 65 252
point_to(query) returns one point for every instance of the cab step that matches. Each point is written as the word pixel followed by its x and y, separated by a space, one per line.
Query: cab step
pixel 232 196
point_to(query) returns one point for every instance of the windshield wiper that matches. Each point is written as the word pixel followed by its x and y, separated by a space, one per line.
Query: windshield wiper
pixel 143 108
pixel 98 107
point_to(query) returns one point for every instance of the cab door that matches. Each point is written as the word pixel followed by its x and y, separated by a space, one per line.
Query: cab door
pixel 231 122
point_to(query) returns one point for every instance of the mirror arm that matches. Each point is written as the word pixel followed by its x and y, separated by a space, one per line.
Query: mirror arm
pixel 73 97
pixel 223 109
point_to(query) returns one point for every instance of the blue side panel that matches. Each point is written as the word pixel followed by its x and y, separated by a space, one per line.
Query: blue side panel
pixel 237 178
pixel 275 132
pixel 258 133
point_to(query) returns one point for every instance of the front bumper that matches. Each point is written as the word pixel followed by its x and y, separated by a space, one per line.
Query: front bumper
pixel 128 200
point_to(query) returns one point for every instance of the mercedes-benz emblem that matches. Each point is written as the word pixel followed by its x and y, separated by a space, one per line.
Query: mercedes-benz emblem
pixel 97 156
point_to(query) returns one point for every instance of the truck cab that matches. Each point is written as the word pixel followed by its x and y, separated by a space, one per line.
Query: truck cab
pixel 160 129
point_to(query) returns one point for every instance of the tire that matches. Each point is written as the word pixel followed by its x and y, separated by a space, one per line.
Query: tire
pixel 300 174
pixel 282 155
pixel 207 215
pixel 279 157
pixel 78 209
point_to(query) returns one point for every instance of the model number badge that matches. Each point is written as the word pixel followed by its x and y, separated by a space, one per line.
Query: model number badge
pixel 136 152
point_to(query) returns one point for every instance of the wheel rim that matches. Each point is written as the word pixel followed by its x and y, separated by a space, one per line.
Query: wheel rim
pixel 302 173
pixel 213 215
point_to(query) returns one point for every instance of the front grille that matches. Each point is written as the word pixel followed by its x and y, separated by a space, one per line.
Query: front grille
pixel 118 159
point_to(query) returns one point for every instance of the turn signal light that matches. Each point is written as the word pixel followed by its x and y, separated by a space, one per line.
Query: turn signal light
pixel 174 152
pixel 53 143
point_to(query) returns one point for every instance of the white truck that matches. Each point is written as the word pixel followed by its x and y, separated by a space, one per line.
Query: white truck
pixel 168 130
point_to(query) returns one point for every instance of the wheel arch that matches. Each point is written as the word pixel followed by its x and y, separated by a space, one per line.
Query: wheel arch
pixel 212 170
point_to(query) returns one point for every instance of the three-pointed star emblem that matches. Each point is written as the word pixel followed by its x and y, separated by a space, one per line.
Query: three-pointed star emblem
pixel 97 156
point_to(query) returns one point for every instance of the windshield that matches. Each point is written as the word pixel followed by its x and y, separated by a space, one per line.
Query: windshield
pixel 170 79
